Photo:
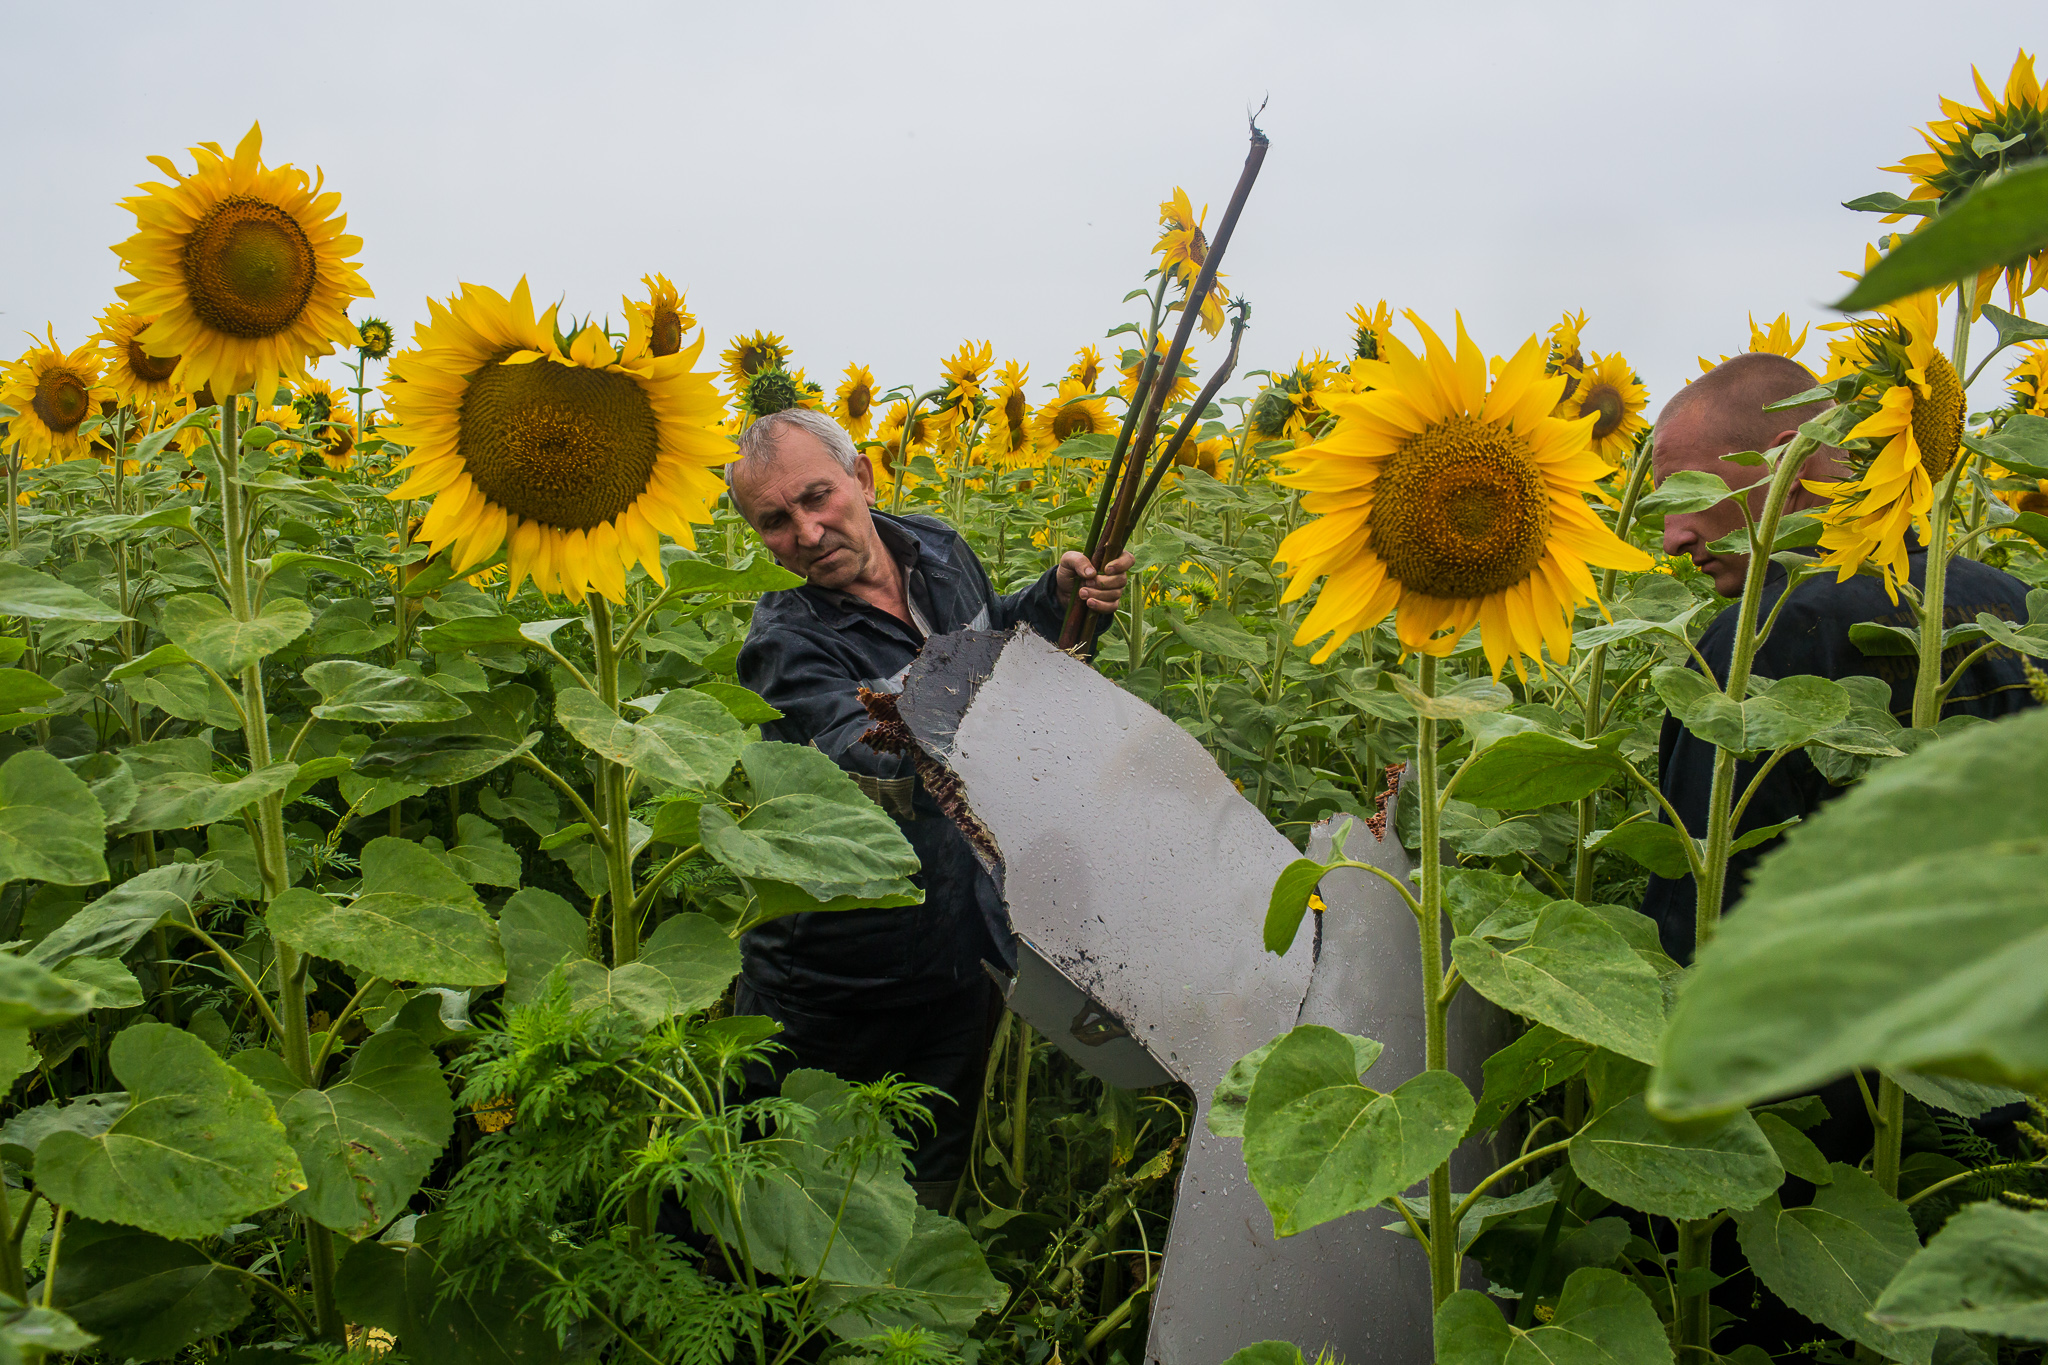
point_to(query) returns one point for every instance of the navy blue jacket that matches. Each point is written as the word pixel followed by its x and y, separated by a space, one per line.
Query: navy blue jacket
pixel 1812 637
pixel 807 653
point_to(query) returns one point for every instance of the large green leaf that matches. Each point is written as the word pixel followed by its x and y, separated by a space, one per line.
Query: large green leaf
pixel 198 1146
pixel 1690 1172
pixel 1534 1062
pixel 1576 973
pixel 1491 904
pixel 51 827
pixel 89 1115
pixel 203 627
pixel 1832 1258
pixel 145 1296
pixel 688 741
pixel 1228 1100
pixel 815 841
pixel 403 1287
pixel 469 632
pixel 1999 222
pixel 440 760
pixel 413 920
pixel 939 1280
pixel 812 1213
pixel 1985 1271
pixel 24 592
pixel 357 691
pixel 480 855
pixel 752 574
pixel 117 921
pixel 1902 926
pixel 182 800
pixel 34 1333
pixel 1319 1145
pixel 1601 1319
pixel 20 688
pixel 1534 768
pixel 367 1140
pixel 32 996
pixel 1788 712
pixel 684 965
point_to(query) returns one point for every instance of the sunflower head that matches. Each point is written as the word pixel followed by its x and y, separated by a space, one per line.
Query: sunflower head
pixel 244 266
pixel 1182 246
pixel 1608 391
pixel 1086 369
pixel 853 402
pixel 1131 364
pixel 134 375
pixel 746 354
pixel 377 340
pixel 771 391
pixel 52 392
pixel 316 401
pixel 1068 414
pixel 1009 415
pixel 1562 356
pixel 1369 326
pixel 662 319
pixel 1291 405
pixel 1447 502
pixel 2028 382
pixel 1970 145
pixel 576 458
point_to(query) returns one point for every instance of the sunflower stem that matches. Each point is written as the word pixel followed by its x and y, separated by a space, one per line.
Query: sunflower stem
pixel 238 517
pixel 1596 674
pixel 1443 1234
pixel 1712 884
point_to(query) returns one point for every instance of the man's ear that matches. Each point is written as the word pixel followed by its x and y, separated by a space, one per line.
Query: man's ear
pixel 864 475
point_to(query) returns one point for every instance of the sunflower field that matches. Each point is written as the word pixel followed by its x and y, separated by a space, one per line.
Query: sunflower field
pixel 380 812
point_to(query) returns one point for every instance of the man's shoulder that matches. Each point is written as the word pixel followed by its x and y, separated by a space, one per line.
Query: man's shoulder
pixel 933 536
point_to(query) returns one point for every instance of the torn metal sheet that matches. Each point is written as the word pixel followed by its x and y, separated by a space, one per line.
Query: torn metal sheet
pixel 1136 878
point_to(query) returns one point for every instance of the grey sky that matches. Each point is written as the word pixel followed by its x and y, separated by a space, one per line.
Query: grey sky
pixel 878 182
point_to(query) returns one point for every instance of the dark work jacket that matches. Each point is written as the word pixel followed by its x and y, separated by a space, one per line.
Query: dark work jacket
pixel 1812 637
pixel 808 651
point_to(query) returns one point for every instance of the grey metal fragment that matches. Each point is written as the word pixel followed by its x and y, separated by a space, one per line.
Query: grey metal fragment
pixel 1136 878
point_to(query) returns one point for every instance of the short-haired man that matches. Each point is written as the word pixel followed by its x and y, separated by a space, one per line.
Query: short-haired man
pixel 869 993
pixel 1711 418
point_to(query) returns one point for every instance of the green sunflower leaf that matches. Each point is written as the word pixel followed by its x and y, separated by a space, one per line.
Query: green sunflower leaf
pixel 1996 223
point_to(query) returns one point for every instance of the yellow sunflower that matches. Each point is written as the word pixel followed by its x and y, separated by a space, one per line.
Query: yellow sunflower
pixel 132 373
pixel 1133 360
pixel 1446 502
pixel 330 416
pixel 52 393
pixel 965 372
pixel 244 266
pixel 663 318
pixel 1070 413
pixel 761 351
pixel 2028 382
pixel 317 400
pixel 1608 391
pixel 1562 353
pixel 1293 403
pixel 1970 145
pixel 853 403
pixel 1010 442
pixel 376 339
pixel 1916 431
pixel 577 459
pixel 1369 326
pixel 1087 368
pixel 1776 339
pixel 891 438
pixel 1183 248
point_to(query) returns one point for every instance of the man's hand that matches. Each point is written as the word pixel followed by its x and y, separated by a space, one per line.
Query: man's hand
pixel 1100 590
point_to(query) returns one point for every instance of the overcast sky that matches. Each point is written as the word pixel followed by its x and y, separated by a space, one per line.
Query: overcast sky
pixel 878 182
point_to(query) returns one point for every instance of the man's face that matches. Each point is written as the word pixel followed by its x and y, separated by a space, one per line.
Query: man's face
pixel 1685 442
pixel 811 514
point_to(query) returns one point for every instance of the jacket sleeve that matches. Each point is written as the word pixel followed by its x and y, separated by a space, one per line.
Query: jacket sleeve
pixel 815 682
pixel 1038 606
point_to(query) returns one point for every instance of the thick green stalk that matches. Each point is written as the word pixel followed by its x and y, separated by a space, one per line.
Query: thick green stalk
pixel 237 519
pixel 11 1279
pixel 1694 1313
pixel 1595 719
pixel 1720 803
pixel 1020 1103
pixel 1443 1234
pixel 612 802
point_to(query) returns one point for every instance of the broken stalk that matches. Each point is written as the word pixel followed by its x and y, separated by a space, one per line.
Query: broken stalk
pixel 1120 488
